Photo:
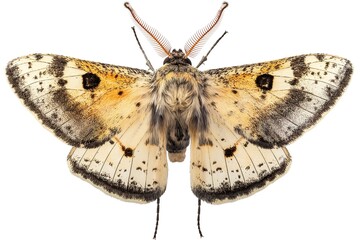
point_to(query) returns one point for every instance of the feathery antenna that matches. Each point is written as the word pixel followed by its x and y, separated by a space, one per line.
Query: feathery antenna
pixel 195 43
pixel 159 42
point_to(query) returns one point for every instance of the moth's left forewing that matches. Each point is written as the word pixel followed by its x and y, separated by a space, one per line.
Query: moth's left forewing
pixel 272 103
pixel 84 103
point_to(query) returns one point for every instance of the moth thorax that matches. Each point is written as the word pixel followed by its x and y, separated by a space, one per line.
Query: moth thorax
pixel 179 95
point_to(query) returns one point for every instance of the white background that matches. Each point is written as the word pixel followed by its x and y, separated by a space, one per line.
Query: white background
pixel 317 199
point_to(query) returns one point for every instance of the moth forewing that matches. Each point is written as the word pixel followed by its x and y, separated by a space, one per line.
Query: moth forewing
pixel 278 100
pixel 72 96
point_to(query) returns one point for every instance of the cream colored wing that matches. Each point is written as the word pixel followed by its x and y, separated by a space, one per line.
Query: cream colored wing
pixel 226 167
pixel 84 103
pixel 272 103
pixel 130 166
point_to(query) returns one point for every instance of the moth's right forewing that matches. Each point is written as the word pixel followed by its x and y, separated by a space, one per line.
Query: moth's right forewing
pixel 273 103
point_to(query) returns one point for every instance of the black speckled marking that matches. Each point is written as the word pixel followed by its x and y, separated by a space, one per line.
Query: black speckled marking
pixel 320 56
pixel 13 75
pixel 294 82
pixel 38 56
pixel 240 189
pixel 264 81
pixel 149 194
pixel 238 130
pixel 128 152
pixel 90 81
pixel 299 66
pixel 229 152
pixel 62 82
pixel 57 66
pixel 89 126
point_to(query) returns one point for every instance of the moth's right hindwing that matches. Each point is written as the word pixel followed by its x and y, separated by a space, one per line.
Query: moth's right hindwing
pixel 225 167
pixel 84 103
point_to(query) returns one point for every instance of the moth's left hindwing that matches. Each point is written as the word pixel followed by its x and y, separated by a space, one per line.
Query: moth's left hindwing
pixel 84 103
pixel 128 166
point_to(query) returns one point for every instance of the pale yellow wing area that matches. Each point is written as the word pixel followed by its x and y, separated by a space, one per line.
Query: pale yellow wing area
pixel 84 103
pixel 272 103
pixel 130 166
pixel 226 167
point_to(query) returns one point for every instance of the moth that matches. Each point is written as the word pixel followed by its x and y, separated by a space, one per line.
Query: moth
pixel 123 123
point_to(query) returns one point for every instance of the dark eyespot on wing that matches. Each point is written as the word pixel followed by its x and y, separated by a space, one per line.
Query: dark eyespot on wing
pixel 129 152
pixel 90 81
pixel 264 81
pixel 229 152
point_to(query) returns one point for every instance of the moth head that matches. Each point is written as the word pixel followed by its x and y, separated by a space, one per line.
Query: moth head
pixel 192 46
pixel 177 57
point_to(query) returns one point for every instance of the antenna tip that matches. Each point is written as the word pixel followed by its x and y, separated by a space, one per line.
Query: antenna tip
pixel 224 5
pixel 128 6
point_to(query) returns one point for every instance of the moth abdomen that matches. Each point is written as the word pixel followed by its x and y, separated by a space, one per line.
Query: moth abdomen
pixel 177 140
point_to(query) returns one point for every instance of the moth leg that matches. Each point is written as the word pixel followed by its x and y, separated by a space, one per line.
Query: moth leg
pixel 198 218
pixel 157 217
